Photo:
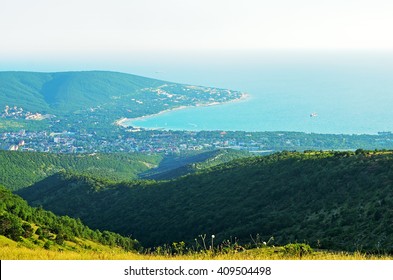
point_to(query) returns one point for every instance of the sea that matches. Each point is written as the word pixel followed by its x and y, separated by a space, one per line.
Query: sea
pixel 332 93
pixel 324 91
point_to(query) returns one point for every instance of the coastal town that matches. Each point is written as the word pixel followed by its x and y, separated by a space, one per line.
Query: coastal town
pixel 143 141
pixel 168 142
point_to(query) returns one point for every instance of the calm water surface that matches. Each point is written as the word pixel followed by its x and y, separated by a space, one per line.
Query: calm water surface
pixel 347 95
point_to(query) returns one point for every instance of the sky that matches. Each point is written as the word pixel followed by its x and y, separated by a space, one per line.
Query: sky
pixel 87 30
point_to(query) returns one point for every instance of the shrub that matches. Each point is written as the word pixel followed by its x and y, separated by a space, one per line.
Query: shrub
pixel 298 249
pixel 47 245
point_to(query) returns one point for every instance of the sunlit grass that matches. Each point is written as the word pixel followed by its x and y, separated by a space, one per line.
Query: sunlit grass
pixel 11 250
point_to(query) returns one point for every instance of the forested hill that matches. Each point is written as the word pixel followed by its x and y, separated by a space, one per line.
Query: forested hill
pixel 22 169
pixel 33 167
pixel 101 94
pixel 35 227
pixel 335 200
pixel 68 91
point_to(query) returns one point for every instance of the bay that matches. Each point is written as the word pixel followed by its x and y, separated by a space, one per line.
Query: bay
pixel 320 93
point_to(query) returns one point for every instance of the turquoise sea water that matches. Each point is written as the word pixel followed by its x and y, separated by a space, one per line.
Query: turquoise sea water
pixel 349 95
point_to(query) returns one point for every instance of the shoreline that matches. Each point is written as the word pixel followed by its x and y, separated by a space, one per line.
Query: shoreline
pixel 122 122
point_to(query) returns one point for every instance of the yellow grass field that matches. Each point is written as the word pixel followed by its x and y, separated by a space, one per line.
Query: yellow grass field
pixel 11 250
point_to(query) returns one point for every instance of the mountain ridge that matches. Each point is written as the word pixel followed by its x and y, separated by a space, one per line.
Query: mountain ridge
pixel 53 87
pixel 50 86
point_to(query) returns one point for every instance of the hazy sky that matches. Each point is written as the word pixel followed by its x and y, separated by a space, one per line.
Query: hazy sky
pixel 39 28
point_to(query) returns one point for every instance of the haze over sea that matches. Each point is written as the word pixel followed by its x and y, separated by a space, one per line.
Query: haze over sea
pixel 347 93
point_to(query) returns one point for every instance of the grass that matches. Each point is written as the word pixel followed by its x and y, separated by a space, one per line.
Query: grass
pixel 11 250
pixel 82 250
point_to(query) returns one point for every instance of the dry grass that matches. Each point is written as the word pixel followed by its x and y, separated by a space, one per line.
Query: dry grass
pixel 11 250
pixel 88 250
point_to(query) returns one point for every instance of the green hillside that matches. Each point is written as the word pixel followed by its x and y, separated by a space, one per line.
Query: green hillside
pixel 173 166
pixel 22 169
pixel 333 200
pixel 37 228
pixel 65 92
pixel 24 89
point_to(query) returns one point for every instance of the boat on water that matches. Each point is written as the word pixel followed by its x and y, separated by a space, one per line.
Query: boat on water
pixel 313 115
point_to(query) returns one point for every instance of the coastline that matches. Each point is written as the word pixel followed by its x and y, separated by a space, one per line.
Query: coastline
pixel 123 121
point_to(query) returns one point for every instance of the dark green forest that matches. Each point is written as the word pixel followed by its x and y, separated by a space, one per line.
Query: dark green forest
pixel 330 200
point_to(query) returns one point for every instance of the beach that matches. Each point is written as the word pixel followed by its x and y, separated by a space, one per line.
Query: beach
pixel 127 122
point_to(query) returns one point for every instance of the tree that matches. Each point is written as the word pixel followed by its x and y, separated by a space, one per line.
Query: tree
pixel 11 226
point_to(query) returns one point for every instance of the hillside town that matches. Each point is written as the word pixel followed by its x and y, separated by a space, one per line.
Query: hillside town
pixel 17 113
